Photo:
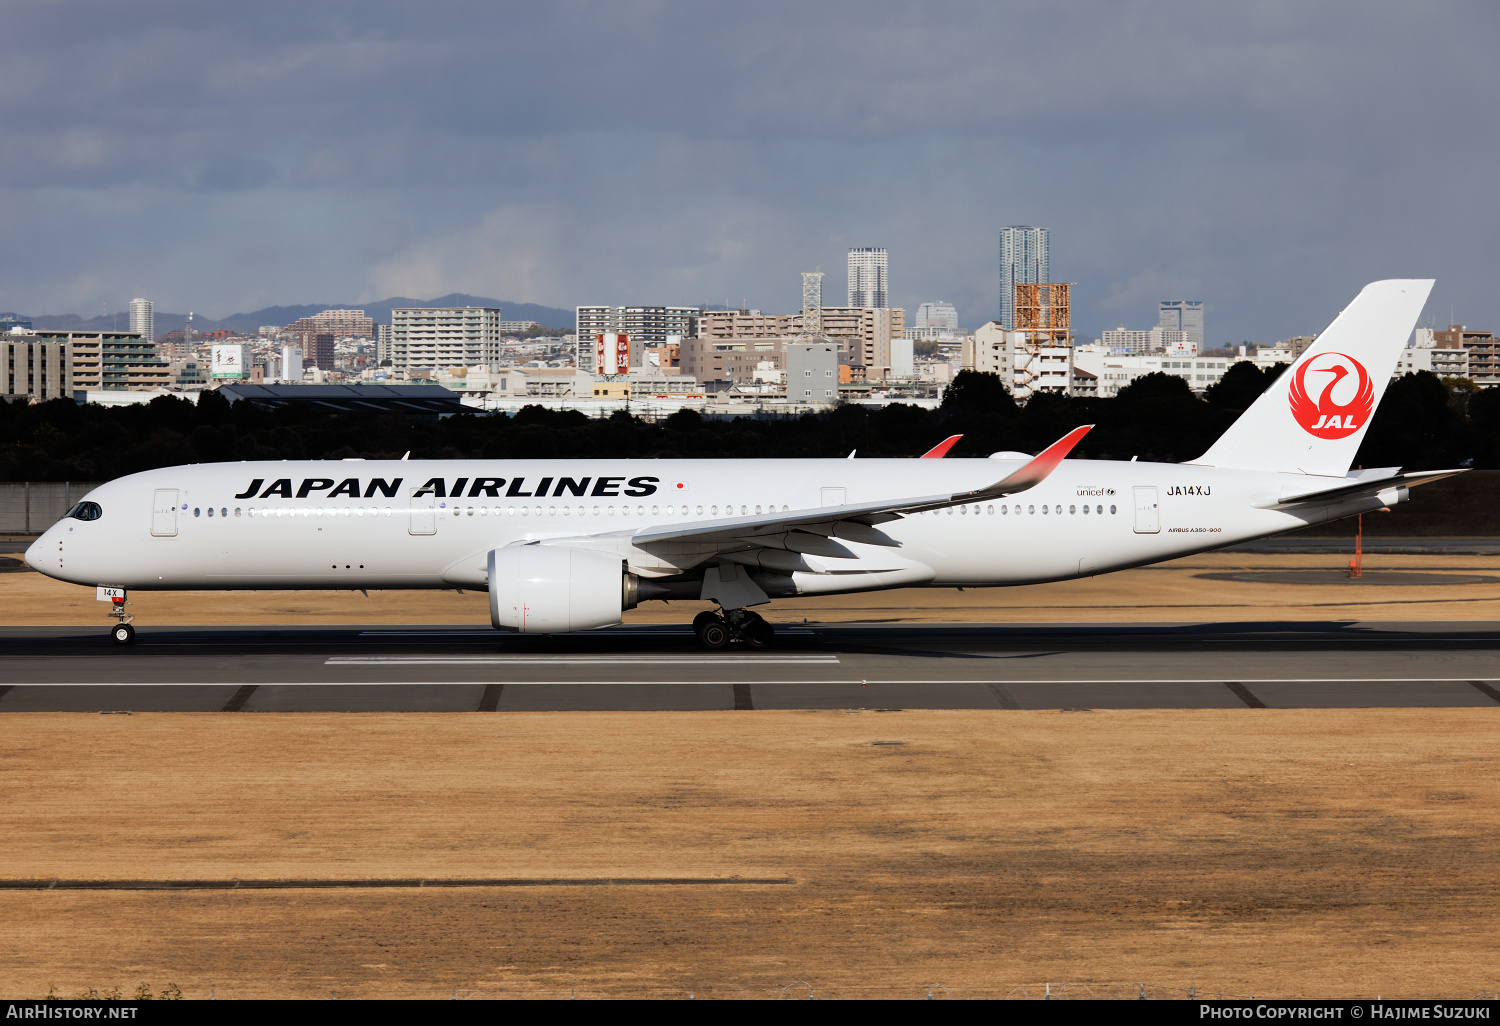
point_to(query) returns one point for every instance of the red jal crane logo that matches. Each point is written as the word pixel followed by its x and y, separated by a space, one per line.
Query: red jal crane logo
pixel 1315 403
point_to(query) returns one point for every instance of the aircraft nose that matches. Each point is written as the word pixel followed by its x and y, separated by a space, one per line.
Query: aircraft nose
pixel 36 552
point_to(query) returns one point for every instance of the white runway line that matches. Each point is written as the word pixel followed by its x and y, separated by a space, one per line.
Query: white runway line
pixel 613 660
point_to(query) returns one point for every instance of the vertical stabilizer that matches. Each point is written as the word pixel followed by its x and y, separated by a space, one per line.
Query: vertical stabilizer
pixel 1312 418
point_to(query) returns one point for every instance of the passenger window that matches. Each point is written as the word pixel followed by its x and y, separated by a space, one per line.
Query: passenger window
pixel 1072 509
pixel 1085 511
pixel 197 512
pixel 1098 509
pixel 1030 509
pixel 1111 510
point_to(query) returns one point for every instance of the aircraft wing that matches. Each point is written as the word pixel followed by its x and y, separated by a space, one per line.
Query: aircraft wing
pixel 822 519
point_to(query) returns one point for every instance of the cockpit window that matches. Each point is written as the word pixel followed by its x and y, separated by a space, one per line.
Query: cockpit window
pixel 85 511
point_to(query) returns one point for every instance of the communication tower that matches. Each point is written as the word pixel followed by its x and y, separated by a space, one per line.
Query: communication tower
pixel 812 303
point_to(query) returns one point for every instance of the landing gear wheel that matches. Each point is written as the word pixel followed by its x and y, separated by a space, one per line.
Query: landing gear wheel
pixel 758 634
pixel 123 633
pixel 715 634
pixel 703 619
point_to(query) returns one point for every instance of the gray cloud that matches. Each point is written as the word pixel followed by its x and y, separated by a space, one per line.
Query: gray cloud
pixel 1268 158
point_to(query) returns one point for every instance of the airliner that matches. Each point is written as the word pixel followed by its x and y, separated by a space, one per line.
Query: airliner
pixel 570 545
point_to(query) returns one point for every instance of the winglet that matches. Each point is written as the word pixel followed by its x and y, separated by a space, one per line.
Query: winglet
pixel 940 450
pixel 1036 471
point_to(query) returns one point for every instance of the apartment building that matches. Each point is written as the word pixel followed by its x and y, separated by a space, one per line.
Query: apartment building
pixel 1481 346
pixel 647 324
pixel 101 360
pixel 428 338
pixel 36 369
pixel 338 323
pixel 868 332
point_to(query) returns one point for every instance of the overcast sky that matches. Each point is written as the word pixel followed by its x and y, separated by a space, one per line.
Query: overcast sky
pixel 1267 158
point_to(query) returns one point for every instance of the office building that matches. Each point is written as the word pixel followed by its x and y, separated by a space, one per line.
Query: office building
pixel 1024 260
pixel 143 319
pixel 1116 370
pixel 867 278
pixel 812 372
pixel 35 367
pixel 433 337
pixel 338 323
pixel 942 317
pixel 1186 316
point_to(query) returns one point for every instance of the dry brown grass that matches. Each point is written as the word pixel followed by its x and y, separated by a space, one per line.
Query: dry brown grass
pixel 1170 591
pixel 1275 853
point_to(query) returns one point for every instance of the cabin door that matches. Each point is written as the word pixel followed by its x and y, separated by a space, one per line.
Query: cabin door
pixel 164 512
pixel 423 514
pixel 1147 512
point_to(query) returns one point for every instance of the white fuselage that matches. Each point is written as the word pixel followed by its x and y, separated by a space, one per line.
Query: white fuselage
pixel 385 524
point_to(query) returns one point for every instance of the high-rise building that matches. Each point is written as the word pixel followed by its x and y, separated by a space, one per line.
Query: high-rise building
pixel 1023 261
pixel 434 337
pixel 143 319
pixel 1184 315
pixel 867 278
pixel 941 316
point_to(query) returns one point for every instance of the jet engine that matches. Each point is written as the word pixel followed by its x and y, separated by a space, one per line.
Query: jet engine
pixel 550 589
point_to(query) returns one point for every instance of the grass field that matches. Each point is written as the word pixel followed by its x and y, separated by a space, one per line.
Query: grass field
pixel 1329 853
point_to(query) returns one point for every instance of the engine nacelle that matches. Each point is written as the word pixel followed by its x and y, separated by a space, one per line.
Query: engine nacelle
pixel 551 589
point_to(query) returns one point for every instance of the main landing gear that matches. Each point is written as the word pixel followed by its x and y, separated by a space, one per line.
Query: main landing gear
pixel 716 630
pixel 122 632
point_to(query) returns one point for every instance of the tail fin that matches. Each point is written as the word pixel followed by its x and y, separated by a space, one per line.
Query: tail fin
pixel 1312 418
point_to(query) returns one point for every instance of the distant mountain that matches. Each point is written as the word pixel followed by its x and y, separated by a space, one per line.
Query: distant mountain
pixel 280 316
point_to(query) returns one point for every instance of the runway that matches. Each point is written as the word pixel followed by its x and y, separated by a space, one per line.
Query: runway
pixel 813 666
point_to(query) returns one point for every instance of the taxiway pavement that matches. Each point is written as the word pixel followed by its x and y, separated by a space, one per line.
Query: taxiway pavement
pixel 813 666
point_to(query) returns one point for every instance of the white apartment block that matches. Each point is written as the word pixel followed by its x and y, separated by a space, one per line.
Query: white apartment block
pixel 143 319
pixel 1115 371
pixel 992 349
pixel 1445 363
pixel 438 337
pixel 1129 342
pixel 867 278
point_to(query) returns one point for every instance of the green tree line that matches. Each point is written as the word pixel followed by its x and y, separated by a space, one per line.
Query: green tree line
pixel 1423 422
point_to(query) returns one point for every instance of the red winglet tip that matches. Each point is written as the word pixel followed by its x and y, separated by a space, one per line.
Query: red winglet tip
pixel 940 450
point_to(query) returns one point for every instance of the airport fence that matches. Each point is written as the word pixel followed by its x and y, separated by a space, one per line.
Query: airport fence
pixel 30 507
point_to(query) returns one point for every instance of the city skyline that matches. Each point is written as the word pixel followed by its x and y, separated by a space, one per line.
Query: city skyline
pixel 1233 154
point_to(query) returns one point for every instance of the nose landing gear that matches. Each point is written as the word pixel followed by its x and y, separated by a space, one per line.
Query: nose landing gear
pixel 121 632
pixel 717 630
